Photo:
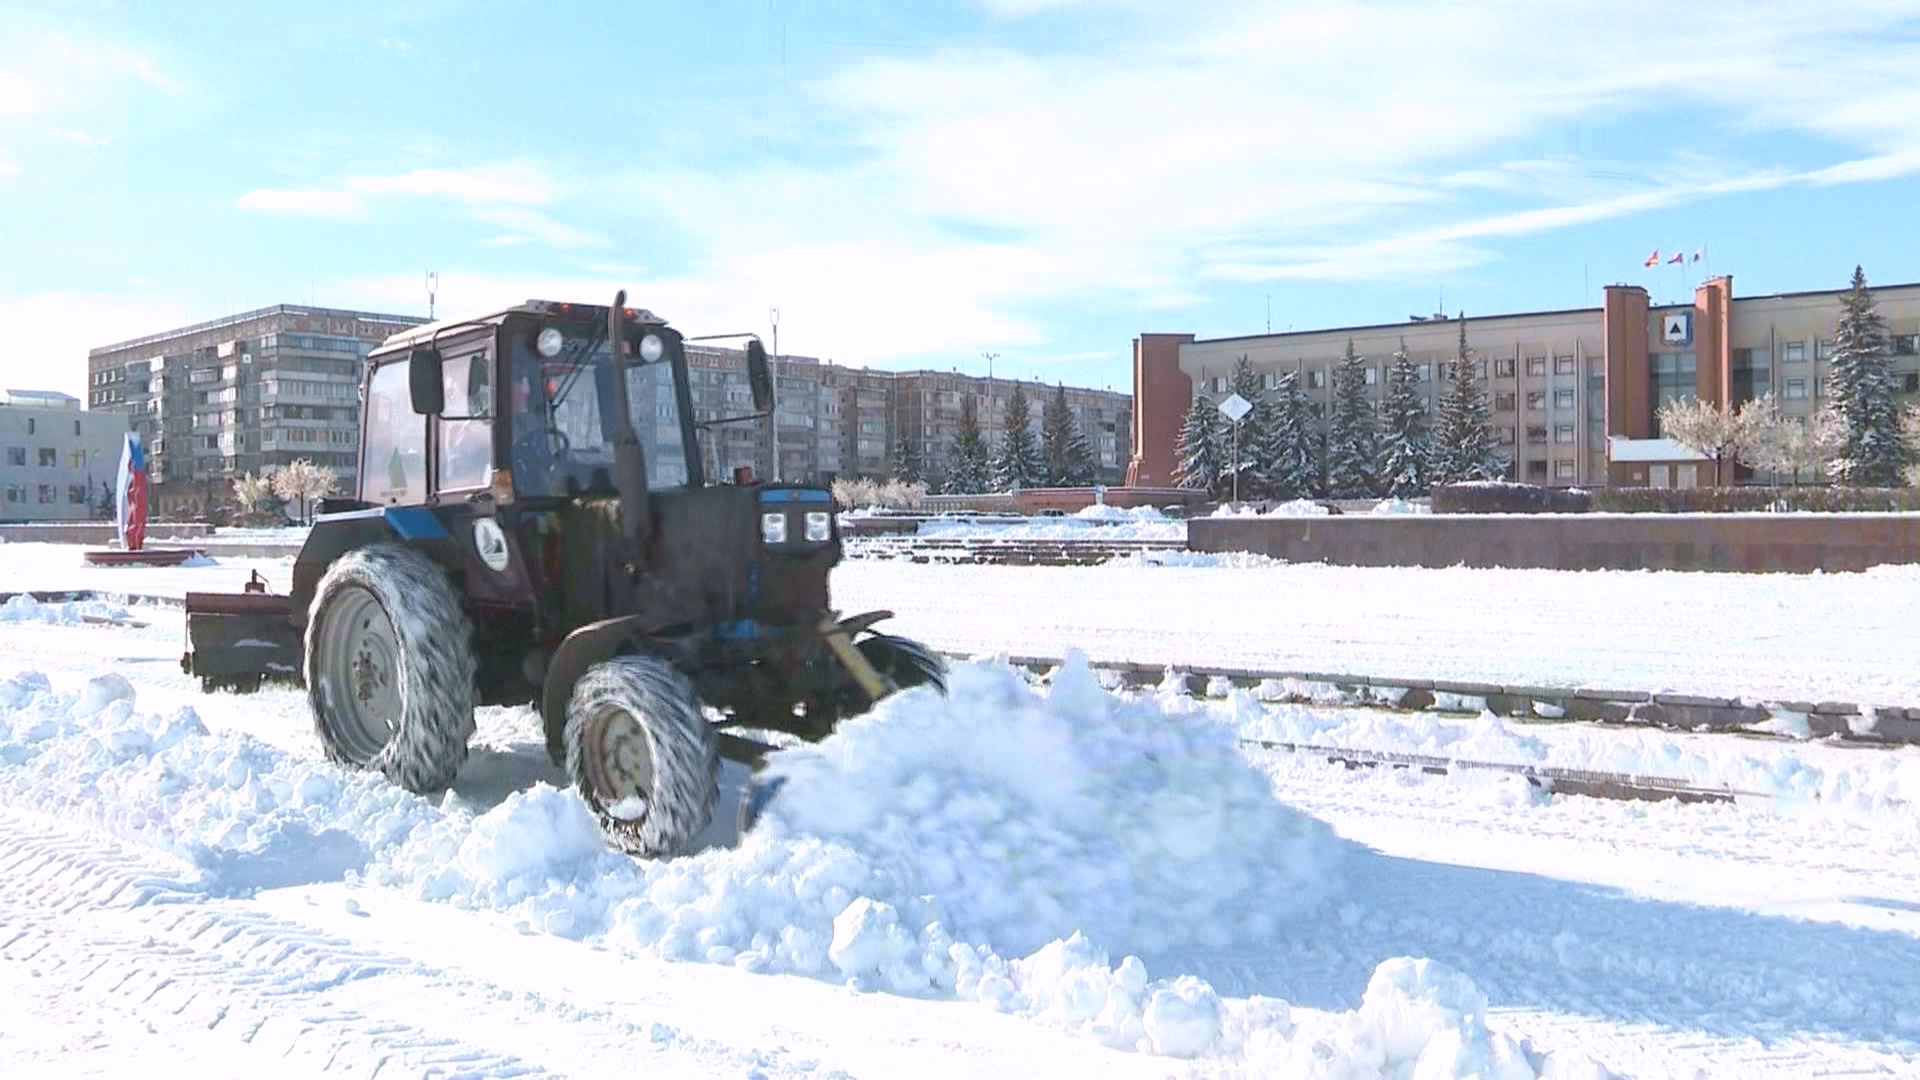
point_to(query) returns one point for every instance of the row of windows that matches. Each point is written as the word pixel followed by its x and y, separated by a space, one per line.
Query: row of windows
pixel 47 494
pixel 49 458
pixel 33 426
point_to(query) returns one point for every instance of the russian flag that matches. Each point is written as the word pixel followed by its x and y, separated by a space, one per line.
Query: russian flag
pixel 131 497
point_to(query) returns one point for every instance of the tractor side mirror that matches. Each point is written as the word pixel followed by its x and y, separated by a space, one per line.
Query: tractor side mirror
pixel 423 380
pixel 759 376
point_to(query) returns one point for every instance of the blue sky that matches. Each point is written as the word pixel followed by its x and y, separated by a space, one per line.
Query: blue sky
pixel 914 182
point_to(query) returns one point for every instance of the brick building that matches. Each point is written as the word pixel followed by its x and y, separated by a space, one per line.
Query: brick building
pixel 1573 392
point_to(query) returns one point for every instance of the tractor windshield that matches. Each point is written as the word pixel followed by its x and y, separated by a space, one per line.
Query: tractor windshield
pixel 563 415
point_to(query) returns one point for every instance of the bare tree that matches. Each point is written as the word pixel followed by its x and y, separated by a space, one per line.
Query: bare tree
pixel 304 481
pixel 1716 432
pixel 1791 444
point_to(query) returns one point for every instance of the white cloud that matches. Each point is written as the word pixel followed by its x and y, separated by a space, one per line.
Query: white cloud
pixel 8 168
pixel 534 224
pixel 74 136
pixel 314 202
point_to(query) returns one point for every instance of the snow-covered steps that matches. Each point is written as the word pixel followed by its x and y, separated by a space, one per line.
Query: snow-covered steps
pixel 1867 724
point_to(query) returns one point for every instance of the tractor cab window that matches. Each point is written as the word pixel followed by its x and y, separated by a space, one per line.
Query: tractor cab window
pixel 394 466
pixel 562 417
pixel 466 445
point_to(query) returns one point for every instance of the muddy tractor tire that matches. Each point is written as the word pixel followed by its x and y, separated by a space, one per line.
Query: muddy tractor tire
pixel 643 756
pixel 905 661
pixel 390 667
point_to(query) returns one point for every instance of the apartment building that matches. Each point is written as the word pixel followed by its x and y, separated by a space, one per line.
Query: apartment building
pixel 1574 393
pixel 247 393
pixel 837 421
pixel 60 462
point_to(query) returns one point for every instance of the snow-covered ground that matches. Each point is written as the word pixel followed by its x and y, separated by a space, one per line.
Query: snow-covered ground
pixel 1013 881
pixel 1795 638
pixel 1761 637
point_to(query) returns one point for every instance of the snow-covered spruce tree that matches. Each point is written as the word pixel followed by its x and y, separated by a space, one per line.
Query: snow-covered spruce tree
pixel 1464 448
pixel 906 464
pixel 1068 455
pixel 967 466
pixel 1352 436
pixel 1289 451
pixel 1203 451
pixel 1406 445
pixel 1860 385
pixel 1016 461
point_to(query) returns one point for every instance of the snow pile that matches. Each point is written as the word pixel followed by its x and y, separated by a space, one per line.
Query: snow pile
pixel 23 608
pixel 1103 512
pixel 247 814
pixel 1291 508
pixel 1397 505
pixel 947 847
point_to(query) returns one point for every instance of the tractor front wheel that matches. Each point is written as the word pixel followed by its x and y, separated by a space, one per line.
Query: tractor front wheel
pixel 643 755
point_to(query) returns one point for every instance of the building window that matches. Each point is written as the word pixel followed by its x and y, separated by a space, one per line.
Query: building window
pixel 1536 365
pixel 1822 349
pixel 1316 377
pixel 1563 399
pixel 1503 367
pixel 1819 387
pixel 1503 401
pixel 1373 375
pixel 1423 373
pixel 1536 470
pixel 1563 365
pixel 1911 383
pixel 76 429
pixel 1505 433
pixel 49 494
pixel 1219 383
pixel 1793 352
pixel 1537 434
pixel 1796 389
pixel 49 457
pixel 77 494
pixel 1563 470
pixel 1536 400
pixel 1906 344
pixel 31 425
pixel 17 456
pixel 77 459
pixel 1563 433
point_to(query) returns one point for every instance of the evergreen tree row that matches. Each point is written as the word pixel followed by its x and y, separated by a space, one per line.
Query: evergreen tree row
pixel 1285 454
pixel 1061 455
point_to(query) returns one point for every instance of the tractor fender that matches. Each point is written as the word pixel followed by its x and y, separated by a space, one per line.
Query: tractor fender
pixel 333 535
pixel 580 650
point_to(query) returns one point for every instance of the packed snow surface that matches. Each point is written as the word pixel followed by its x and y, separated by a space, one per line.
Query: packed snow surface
pixel 1003 845
pixel 1787 638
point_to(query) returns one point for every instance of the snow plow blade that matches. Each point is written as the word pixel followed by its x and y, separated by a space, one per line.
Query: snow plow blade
pixel 239 640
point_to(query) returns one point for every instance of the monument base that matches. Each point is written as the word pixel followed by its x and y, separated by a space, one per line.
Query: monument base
pixel 142 557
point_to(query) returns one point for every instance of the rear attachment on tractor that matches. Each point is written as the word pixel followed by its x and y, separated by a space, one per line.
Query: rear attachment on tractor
pixel 236 641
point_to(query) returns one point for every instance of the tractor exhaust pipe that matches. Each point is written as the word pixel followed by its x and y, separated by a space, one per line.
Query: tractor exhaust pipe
pixel 629 461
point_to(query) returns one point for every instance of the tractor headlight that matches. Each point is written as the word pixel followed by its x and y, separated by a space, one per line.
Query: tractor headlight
pixel 651 348
pixel 773 528
pixel 549 342
pixel 819 527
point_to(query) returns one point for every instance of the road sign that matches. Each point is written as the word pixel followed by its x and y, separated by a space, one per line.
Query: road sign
pixel 1236 407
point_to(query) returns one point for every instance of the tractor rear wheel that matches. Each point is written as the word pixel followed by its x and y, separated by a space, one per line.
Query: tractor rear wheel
pixel 643 755
pixel 390 667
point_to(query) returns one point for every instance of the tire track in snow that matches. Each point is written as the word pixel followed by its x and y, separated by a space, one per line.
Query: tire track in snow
pixel 128 928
